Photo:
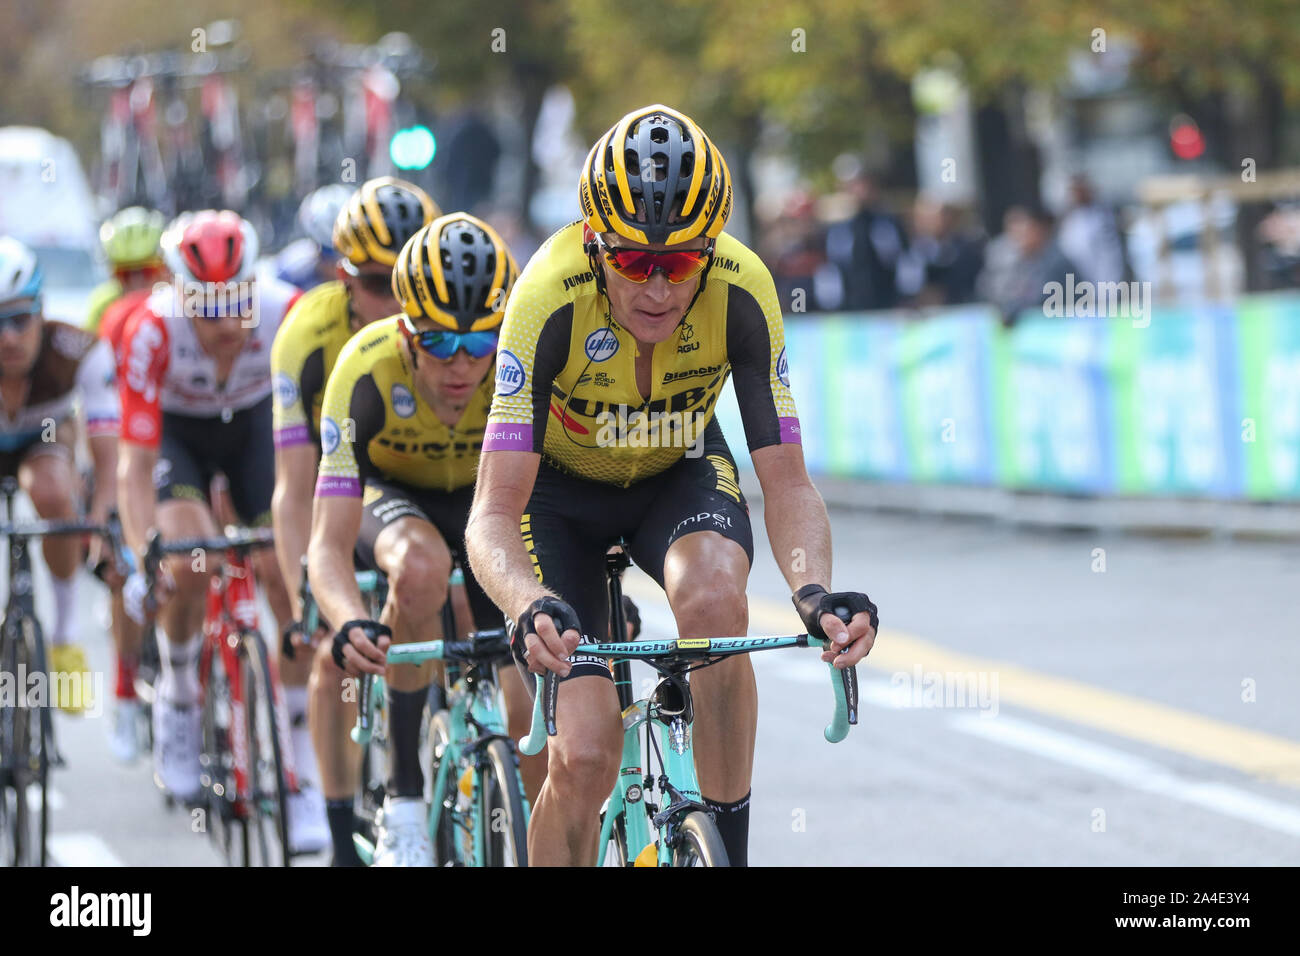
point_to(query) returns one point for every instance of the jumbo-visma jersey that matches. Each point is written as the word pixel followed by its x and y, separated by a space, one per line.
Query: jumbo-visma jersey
pixel 566 378
pixel 373 423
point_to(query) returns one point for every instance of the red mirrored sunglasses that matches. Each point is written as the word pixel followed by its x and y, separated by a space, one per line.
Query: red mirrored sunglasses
pixel 638 265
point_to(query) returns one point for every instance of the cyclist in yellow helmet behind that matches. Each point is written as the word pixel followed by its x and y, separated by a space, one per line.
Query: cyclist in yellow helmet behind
pixel 616 343
pixel 401 431
pixel 369 231
pixel 130 239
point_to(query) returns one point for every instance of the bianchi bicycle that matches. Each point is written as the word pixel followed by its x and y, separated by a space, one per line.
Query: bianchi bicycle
pixel 245 762
pixel 659 818
pixel 28 691
pixel 478 813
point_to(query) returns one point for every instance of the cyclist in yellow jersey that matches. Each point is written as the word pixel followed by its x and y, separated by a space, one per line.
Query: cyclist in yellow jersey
pixel 131 243
pixel 369 232
pixel 401 432
pixel 617 341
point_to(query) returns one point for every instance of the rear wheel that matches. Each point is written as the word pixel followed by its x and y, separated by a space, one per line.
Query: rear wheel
pixel 444 841
pixel 504 822
pixel 266 814
pixel 700 844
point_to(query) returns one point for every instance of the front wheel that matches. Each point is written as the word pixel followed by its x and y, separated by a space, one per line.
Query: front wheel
pixel 266 814
pixel 504 821
pixel 24 753
pixel 700 843
pixel 445 842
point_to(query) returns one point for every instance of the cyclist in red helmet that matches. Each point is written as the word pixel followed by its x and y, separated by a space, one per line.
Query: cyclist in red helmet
pixel 194 378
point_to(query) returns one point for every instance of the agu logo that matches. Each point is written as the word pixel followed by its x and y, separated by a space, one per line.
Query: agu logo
pixel 403 401
pixel 783 369
pixel 329 435
pixel 510 373
pixel 601 345
pixel 286 392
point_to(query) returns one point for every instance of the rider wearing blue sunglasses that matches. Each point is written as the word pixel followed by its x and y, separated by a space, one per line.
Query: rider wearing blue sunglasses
pixel 403 421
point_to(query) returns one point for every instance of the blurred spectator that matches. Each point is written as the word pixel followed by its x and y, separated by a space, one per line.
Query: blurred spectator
pixel 1279 236
pixel 942 262
pixel 866 247
pixel 796 248
pixel 1022 261
pixel 1090 236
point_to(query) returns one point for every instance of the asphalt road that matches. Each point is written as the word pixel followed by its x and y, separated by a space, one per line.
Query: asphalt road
pixel 1031 700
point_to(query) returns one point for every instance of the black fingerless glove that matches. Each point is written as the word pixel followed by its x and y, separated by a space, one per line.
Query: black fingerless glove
pixel 563 616
pixel 812 601
pixel 373 630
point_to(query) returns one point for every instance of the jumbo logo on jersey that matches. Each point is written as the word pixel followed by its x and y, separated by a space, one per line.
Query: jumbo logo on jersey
pixel 329 435
pixel 403 401
pixel 286 392
pixel 510 374
pixel 783 369
pixel 601 345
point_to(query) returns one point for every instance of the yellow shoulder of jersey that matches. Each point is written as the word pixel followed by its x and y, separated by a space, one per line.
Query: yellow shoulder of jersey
pixel 306 347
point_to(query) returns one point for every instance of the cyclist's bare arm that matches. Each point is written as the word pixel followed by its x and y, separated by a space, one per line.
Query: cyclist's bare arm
pixel 291 504
pixel 103 457
pixel 336 523
pixel 137 500
pixel 497 554
pixel 800 533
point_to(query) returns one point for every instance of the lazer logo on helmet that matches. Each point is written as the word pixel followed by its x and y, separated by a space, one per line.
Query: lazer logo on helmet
pixel 601 345
pixel 510 374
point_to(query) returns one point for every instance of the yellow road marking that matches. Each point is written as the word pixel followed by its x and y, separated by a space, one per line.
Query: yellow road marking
pixel 1266 756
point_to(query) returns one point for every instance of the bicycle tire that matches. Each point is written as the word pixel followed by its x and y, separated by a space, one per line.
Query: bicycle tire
pixel 501 790
pixel 22 839
pixel 269 800
pixel 42 719
pixel 700 843
pixel 617 844
pixel 445 845
pixel 216 762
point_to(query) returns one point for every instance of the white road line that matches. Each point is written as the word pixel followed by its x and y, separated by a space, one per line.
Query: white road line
pixel 81 848
pixel 1132 771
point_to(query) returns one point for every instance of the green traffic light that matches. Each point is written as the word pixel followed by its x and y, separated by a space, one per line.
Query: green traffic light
pixel 412 148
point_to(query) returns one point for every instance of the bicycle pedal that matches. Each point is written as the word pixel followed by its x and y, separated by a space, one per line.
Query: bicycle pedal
pixel 57 759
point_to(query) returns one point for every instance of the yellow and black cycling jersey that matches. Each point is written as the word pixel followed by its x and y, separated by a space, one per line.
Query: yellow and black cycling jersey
pixel 566 380
pixel 306 347
pixel 373 422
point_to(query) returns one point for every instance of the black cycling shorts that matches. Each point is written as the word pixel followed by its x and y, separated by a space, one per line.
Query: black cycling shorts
pixel 193 450
pixel 571 522
pixel 12 460
pixel 385 501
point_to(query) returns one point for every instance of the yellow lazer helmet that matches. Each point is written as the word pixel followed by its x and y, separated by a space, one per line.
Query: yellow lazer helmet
pixel 655 177
pixel 456 271
pixel 377 220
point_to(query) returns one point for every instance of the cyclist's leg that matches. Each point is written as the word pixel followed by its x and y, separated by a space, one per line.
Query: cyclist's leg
pixel 248 462
pixel 567 528
pixel 331 713
pixel 48 477
pixel 398 539
pixel 450 513
pixel 181 480
pixel 697 542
